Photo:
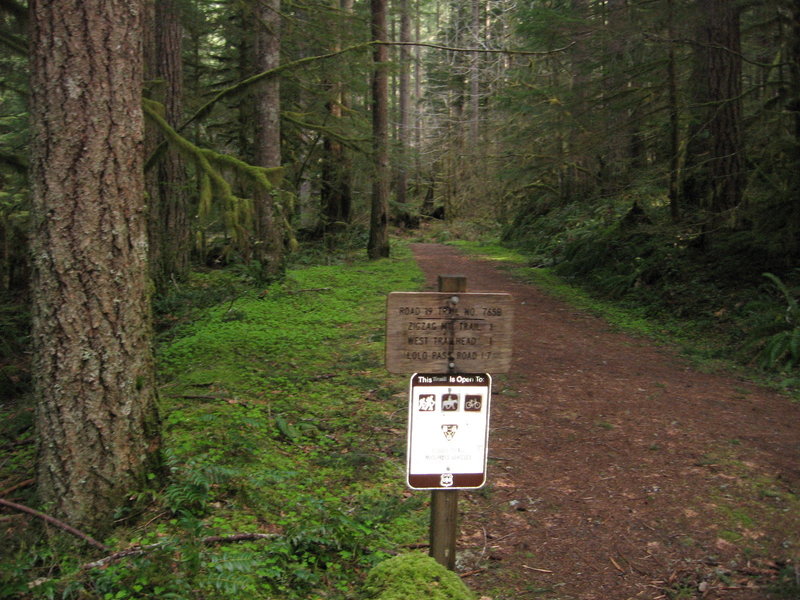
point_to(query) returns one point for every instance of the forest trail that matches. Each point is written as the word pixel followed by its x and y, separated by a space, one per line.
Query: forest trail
pixel 617 471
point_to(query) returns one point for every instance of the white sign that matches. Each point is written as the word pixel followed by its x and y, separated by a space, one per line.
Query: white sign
pixel 448 430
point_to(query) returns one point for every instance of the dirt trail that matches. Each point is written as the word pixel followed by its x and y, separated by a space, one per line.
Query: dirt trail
pixel 616 471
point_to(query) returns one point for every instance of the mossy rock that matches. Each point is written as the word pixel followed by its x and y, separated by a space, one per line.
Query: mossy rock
pixel 414 576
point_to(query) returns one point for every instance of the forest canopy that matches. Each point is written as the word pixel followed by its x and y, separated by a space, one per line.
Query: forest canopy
pixel 497 109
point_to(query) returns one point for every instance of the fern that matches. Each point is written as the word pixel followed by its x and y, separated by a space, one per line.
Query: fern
pixel 191 489
pixel 779 339
pixel 792 311
pixel 231 575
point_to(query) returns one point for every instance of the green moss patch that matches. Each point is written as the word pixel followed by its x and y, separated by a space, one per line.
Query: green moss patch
pixel 414 576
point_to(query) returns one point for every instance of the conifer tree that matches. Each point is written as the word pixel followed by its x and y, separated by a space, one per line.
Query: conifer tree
pixel 378 245
pixel 94 384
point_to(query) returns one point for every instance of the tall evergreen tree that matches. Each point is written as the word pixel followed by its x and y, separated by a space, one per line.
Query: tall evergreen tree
pixel 167 181
pixel 269 249
pixel 378 245
pixel 93 369
pixel 336 168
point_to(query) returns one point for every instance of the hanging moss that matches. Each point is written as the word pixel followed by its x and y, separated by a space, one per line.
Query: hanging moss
pixel 237 212
pixel 263 177
pixel 413 576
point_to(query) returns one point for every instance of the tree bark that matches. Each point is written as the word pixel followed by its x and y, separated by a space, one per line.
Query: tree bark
pixel 96 413
pixel 474 77
pixel 167 183
pixel 335 185
pixel 403 129
pixel 715 160
pixel 674 119
pixel 727 167
pixel 378 245
pixel 269 250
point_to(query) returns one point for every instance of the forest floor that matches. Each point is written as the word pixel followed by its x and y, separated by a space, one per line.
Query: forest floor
pixel 618 470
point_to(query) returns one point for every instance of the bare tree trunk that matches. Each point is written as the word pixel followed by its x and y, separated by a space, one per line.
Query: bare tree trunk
pixel 404 130
pixel 793 107
pixel 378 245
pixel 335 185
pixel 715 161
pixel 93 370
pixel 674 120
pixel 474 77
pixel 696 181
pixel 727 168
pixel 579 183
pixel 269 250
pixel 167 183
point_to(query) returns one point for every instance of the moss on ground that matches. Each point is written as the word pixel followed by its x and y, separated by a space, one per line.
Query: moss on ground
pixel 413 576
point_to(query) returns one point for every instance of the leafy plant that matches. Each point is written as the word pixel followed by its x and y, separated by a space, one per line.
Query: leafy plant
pixel 777 334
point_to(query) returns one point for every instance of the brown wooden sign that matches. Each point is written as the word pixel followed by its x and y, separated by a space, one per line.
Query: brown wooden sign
pixel 448 332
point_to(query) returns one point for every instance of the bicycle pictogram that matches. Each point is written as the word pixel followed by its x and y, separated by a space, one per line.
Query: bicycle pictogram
pixel 473 403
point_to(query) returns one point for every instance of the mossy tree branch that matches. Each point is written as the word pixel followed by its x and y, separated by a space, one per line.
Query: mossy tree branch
pixel 238 211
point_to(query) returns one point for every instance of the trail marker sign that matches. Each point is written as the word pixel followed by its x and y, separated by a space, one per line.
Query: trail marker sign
pixel 444 332
pixel 448 431
pixel 450 340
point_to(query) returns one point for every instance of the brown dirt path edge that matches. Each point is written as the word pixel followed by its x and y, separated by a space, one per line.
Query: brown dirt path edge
pixel 616 471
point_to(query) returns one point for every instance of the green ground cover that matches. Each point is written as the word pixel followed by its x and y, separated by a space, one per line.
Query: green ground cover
pixel 279 420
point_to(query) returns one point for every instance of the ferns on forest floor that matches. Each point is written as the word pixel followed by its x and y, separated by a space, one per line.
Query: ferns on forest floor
pixel 776 334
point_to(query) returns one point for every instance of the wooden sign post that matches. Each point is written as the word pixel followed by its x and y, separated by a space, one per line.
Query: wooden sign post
pixel 444 503
pixel 449 332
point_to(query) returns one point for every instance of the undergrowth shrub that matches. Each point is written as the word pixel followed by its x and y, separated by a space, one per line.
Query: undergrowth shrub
pixel 775 326
pixel 14 342
pixel 708 285
pixel 278 419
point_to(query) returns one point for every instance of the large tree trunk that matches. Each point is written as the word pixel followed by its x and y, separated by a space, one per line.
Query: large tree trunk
pixel 269 250
pixel 579 182
pixel 93 368
pixel 378 245
pixel 167 182
pixel 727 167
pixel 715 161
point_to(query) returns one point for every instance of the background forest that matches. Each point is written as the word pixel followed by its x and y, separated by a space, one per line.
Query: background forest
pixel 646 149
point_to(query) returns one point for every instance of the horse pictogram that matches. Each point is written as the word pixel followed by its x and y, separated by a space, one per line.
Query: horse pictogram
pixel 449 402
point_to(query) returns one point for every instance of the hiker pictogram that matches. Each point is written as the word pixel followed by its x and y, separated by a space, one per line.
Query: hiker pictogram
pixel 426 402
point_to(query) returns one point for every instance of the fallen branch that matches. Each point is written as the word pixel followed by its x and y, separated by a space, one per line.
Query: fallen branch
pixel 323 289
pixel 20 485
pixel 53 521
pixel 417 546
pixel 508 51
pixel 18 443
pixel 471 573
pixel 537 569
pixel 139 550
pixel 616 564
pixel 211 539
